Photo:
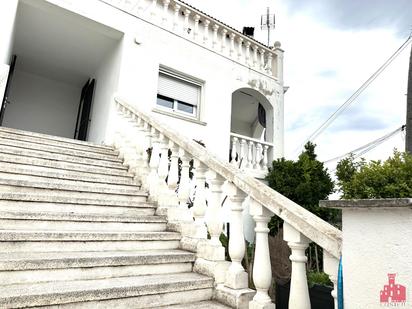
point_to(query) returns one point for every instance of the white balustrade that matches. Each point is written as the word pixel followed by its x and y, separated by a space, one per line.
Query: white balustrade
pixel 136 133
pixel 158 13
pixel 299 290
pixel 199 204
pixel 236 277
pixel 173 176
pixel 223 41
pixel 250 154
pixel 215 36
pixel 214 210
pixel 165 16
pixel 262 271
pixel 184 184
pixel 196 28
pixel 206 23
pixel 176 10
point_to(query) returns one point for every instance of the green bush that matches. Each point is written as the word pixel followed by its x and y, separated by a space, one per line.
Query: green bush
pixel 376 179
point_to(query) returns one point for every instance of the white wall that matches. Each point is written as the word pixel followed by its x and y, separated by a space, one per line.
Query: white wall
pixel 107 78
pixel 42 105
pixel 376 242
pixel 8 11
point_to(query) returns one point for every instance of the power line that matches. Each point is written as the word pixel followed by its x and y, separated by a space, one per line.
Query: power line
pixel 353 97
pixel 369 146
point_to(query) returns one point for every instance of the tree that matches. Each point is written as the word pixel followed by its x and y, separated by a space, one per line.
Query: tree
pixel 305 181
pixel 376 179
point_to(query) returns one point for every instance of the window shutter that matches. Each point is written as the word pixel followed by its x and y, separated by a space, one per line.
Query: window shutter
pixel 178 89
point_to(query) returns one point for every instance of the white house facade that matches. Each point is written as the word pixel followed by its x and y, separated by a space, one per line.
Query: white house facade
pixel 189 70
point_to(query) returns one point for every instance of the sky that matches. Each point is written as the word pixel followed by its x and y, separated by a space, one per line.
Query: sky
pixel 331 48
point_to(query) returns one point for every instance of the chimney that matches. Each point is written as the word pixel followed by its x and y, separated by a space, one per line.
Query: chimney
pixel 249 31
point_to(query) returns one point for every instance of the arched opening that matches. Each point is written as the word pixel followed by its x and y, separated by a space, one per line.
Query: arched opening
pixel 251 131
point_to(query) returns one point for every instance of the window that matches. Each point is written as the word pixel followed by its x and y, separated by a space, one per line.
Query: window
pixel 178 94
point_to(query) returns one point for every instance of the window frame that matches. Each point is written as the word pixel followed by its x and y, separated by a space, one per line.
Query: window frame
pixel 175 111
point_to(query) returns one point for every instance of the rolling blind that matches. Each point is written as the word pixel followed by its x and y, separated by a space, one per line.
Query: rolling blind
pixel 178 89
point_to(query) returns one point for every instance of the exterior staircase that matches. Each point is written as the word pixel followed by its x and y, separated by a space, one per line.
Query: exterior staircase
pixel 76 231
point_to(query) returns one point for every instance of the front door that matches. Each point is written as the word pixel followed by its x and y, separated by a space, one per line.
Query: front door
pixel 83 115
pixel 6 99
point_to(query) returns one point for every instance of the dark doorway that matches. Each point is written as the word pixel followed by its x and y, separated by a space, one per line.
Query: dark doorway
pixel 83 114
pixel 6 100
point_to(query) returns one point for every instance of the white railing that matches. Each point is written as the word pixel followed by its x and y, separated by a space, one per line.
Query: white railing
pixel 194 25
pixel 250 154
pixel 137 132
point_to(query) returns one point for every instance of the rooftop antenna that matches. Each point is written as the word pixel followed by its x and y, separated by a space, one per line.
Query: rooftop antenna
pixel 267 22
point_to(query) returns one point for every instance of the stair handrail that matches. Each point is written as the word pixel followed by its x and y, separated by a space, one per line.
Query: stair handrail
pixel 310 225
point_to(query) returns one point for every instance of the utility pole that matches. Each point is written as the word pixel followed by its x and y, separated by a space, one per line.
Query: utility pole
pixel 408 138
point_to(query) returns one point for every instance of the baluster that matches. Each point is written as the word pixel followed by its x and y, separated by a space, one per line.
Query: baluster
pixel 186 24
pixel 240 47
pixel 163 167
pixel 232 44
pixel 214 209
pixel 184 184
pixel 215 33
pixel 258 157
pixel 206 23
pixel 144 170
pixel 265 157
pixel 173 177
pixel 154 164
pixel 165 12
pixel 196 28
pixel 236 277
pixel 331 266
pixel 233 151
pixel 242 154
pixel 262 59
pixel 299 291
pixel 199 205
pixel 248 52
pixel 262 270
pixel 269 64
pixel 223 45
pixel 255 56
pixel 153 8
pixel 176 10
pixel 250 155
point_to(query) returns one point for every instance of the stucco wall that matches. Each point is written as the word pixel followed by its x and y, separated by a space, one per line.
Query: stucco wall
pixel 107 77
pixel 42 105
pixel 376 242
pixel 8 11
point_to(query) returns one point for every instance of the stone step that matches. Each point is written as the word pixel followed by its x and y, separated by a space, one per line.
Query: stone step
pixel 41 235
pixel 77 217
pixel 79 222
pixel 28 182
pixel 109 156
pixel 57 173
pixel 26 267
pixel 38 162
pixel 98 245
pixel 66 292
pixel 61 157
pixel 197 305
pixel 78 198
pixel 72 209
pixel 54 140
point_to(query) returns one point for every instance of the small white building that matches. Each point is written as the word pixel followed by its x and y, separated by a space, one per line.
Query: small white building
pixel 189 70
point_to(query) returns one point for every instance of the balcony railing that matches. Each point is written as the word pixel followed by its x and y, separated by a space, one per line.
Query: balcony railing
pixel 184 20
pixel 250 154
